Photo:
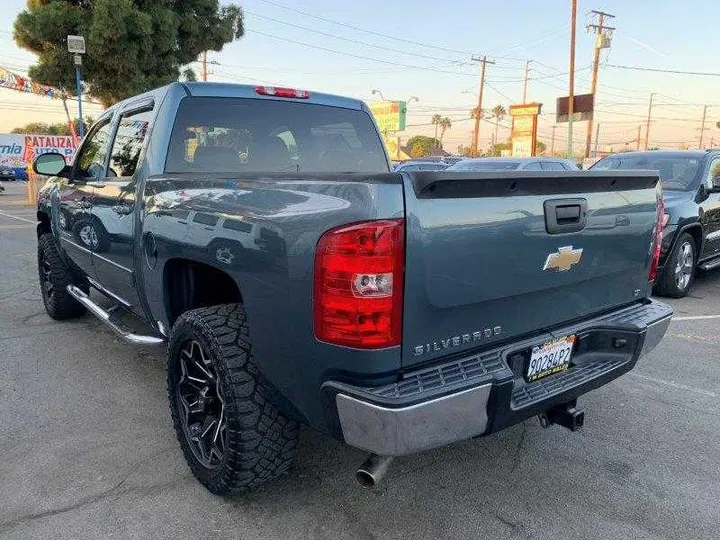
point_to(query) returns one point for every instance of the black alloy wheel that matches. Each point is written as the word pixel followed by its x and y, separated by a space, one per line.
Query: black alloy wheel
pixel 203 418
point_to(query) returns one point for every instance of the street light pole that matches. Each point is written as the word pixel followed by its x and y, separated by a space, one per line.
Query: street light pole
pixel 78 90
pixel 76 46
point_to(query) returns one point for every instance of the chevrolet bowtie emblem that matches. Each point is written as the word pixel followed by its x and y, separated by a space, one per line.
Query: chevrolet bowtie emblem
pixel 563 259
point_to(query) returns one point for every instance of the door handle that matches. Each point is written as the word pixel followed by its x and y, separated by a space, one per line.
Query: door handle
pixel 122 209
pixel 96 184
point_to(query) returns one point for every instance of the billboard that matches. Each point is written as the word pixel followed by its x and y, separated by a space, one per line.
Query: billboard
pixel 583 106
pixel 524 128
pixel 389 115
pixel 17 150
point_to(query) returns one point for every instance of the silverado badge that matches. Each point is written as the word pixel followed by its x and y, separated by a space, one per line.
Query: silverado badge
pixel 563 259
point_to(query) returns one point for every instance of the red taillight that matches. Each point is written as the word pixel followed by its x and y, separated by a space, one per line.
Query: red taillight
pixel 657 240
pixel 359 273
pixel 282 92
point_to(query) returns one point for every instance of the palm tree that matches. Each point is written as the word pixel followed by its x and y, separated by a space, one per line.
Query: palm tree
pixel 445 124
pixel 436 121
pixel 498 112
pixel 474 113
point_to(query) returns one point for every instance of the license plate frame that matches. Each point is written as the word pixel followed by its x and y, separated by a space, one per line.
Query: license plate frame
pixel 551 357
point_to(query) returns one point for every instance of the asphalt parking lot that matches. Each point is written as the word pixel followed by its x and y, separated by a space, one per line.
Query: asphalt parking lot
pixel 88 449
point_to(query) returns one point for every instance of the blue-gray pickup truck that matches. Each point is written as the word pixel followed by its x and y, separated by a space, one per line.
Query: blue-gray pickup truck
pixel 259 233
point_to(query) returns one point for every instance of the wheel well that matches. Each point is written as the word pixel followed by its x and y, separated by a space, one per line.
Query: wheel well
pixel 191 284
pixel 696 232
pixel 43 223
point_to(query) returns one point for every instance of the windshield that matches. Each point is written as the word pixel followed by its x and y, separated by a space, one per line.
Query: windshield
pixel 489 165
pixel 677 173
pixel 264 135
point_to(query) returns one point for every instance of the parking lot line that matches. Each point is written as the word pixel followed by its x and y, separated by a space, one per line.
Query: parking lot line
pixel 696 318
pixel 676 385
pixel 33 221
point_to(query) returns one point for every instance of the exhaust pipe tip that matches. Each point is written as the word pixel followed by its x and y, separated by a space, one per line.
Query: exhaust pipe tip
pixel 372 471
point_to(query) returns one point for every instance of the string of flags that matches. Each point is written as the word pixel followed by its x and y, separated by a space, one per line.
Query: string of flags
pixel 10 80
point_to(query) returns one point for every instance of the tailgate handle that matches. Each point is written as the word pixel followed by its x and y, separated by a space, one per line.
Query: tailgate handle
pixel 565 215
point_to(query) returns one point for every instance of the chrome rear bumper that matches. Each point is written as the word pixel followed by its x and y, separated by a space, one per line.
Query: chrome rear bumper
pixel 447 403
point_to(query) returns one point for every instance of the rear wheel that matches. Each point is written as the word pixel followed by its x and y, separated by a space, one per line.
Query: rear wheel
pixel 679 271
pixel 232 434
pixel 55 276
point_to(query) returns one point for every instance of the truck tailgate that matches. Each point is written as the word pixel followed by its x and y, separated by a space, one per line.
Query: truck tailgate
pixel 496 256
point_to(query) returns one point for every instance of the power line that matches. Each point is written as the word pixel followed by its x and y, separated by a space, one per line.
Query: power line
pixel 657 70
pixel 361 57
pixel 346 25
pixel 356 41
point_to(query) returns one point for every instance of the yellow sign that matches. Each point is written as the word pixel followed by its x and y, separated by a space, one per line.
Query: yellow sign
pixel 528 109
pixel 524 128
pixel 389 115
pixel 394 149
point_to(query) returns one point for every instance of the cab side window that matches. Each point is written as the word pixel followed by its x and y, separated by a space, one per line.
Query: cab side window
pixel 128 143
pixel 91 160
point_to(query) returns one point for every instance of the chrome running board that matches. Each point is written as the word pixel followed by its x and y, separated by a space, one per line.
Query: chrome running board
pixel 106 316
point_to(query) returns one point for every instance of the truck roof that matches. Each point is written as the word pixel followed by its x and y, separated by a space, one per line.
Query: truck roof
pixel 205 89
pixel 229 90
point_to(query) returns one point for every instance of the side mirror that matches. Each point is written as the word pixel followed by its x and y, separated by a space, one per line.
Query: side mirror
pixel 50 164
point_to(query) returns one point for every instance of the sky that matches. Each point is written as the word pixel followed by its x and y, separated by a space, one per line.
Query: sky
pixel 404 49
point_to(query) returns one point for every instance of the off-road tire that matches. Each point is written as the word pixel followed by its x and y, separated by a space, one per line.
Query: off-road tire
pixel 667 284
pixel 260 440
pixel 58 303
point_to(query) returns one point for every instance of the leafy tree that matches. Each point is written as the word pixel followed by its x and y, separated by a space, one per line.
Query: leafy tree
pixel 497 149
pixel 498 113
pixel 421 146
pixel 436 121
pixel 463 150
pixel 445 124
pixel 59 128
pixel 540 147
pixel 132 45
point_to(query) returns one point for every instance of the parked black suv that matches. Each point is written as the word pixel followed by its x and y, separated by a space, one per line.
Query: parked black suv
pixel 691 194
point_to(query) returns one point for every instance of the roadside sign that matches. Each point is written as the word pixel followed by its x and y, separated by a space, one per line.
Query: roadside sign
pixel 76 44
pixel 389 115
pixel 583 106
pixel 524 128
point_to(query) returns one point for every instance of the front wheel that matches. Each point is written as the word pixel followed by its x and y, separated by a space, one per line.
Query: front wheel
pixel 233 435
pixel 679 271
pixel 55 276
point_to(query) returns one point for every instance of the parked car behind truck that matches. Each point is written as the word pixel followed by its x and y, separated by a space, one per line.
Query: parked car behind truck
pixel 261 236
pixel 691 223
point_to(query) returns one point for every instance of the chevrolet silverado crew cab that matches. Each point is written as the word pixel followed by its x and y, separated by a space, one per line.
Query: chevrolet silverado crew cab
pixel 259 233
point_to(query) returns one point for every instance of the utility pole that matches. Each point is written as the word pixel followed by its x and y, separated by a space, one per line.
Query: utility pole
pixel 204 66
pixel 597 138
pixel 571 98
pixel 601 42
pixel 525 83
pixel 552 141
pixel 476 136
pixel 702 126
pixel 637 147
pixel 647 127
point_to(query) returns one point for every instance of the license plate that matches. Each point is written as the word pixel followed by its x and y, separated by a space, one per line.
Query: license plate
pixel 550 357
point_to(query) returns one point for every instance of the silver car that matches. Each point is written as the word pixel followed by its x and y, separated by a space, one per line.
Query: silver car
pixel 515 164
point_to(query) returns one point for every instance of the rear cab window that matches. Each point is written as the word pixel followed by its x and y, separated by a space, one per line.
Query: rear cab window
pixel 263 135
